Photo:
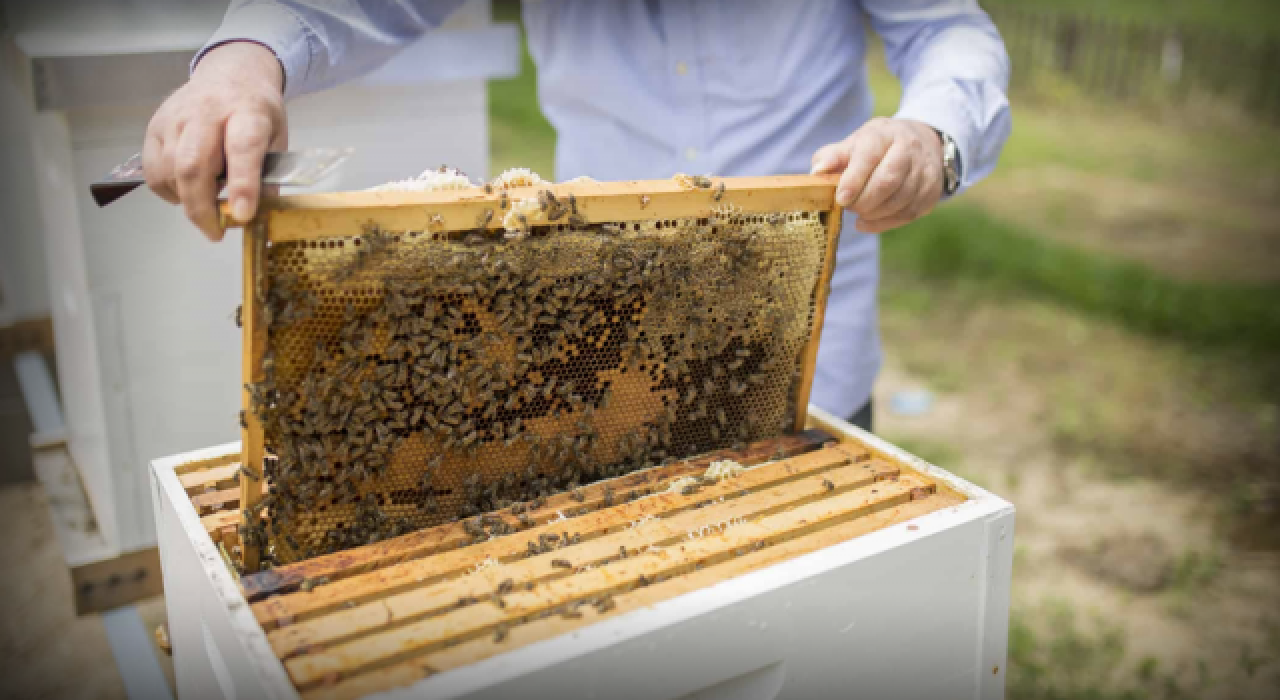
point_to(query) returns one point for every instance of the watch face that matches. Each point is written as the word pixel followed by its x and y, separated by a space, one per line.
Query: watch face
pixel 950 166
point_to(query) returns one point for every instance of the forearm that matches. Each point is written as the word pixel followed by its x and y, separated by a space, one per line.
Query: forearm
pixel 321 44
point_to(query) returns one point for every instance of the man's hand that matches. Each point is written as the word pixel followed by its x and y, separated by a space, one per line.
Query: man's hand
pixel 232 104
pixel 892 172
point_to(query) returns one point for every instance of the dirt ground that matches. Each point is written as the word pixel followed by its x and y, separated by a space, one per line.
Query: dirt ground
pixel 47 651
pixel 1125 580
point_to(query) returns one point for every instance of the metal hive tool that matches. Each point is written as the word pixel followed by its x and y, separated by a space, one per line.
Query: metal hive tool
pixel 410 360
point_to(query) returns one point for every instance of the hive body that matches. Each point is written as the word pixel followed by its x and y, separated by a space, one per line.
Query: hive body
pixel 828 556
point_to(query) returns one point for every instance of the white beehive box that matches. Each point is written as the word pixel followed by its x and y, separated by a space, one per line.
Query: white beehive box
pixel 134 286
pixel 917 608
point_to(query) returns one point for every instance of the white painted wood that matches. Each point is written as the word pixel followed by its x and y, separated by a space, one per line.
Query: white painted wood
pixel 38 392
pixel 219 650
pixel 148 355
pixel 24 287
pixel 904 612
pixel 135 655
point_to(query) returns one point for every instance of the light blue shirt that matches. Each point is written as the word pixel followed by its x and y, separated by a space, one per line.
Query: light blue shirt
pixel 648 88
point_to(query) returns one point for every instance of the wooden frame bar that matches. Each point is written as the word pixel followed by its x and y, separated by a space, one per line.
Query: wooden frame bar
pixel 834 219
pixel 416 545
pixel 853 530
pixel 255 344
pixel 332 612
pixel 384 615
pixel 312 216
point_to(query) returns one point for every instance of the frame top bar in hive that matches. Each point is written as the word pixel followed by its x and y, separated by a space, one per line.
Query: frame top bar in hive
pixel 310 216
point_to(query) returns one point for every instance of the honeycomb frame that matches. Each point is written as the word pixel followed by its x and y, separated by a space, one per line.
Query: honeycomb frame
pixel 321 272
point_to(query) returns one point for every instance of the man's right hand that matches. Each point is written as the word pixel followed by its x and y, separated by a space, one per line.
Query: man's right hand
pixel 232 104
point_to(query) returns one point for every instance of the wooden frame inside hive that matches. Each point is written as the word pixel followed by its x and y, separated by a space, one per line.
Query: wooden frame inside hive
pixel 365 620
pixel 325 242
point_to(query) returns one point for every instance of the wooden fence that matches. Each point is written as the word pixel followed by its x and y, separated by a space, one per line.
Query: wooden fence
pixel 1126 60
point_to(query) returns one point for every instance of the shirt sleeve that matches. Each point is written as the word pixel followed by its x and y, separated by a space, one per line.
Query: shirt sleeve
pixel 322 43
pixel 954 72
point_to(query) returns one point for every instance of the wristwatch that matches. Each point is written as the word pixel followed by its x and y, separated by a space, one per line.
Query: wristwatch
pixel 952 168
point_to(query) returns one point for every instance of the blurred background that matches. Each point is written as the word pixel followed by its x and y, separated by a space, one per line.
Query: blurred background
pixel 1092 333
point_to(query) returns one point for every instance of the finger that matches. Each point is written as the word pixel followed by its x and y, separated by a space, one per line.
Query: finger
pixel 928 191
pixel 247 136
pixel 831 158
pixel 902 199
pixel 889 174
pixel 279 142
pixel 197 161
pixel 155 168
pixel 867 148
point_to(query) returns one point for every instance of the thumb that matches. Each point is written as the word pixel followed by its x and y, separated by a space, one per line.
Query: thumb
pixel 831 158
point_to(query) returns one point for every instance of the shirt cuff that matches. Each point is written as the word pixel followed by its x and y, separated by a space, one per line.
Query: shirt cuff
pixel 945 107
pixel 275 27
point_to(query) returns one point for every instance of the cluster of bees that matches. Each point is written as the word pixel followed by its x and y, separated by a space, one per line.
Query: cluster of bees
pixel 411 381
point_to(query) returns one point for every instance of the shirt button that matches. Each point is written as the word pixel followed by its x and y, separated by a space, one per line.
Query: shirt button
pixel 691 153
pixel 682 68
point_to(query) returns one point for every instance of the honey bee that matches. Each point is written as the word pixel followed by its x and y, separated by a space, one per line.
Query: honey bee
pixel 828 485
pixel 308 584
pixel 500 634
pixel 719 192
pixel 561 564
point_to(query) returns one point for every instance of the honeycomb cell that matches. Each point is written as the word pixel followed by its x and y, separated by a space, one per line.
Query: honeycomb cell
pixel 413 380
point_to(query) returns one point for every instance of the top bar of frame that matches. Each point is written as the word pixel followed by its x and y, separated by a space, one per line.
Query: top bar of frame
pixel 315 216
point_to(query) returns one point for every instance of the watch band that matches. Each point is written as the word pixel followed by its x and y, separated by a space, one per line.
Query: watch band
pixel 952 168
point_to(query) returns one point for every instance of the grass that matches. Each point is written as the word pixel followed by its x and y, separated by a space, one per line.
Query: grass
pixel 519 135
pixel 1195 570
pixel 1053 657
pixel 1055 654
pixel 963 241
pixel 1256 19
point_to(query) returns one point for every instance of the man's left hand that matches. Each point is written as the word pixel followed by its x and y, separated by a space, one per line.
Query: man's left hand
pixel 892 172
